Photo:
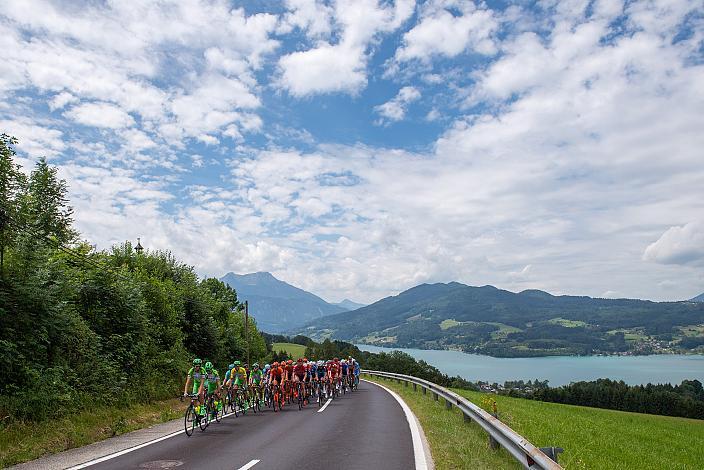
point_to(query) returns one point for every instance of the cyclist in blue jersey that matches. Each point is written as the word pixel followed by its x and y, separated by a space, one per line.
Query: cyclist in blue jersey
pixel 345 368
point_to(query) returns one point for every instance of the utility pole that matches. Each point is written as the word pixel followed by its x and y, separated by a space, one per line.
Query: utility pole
pixel 246 327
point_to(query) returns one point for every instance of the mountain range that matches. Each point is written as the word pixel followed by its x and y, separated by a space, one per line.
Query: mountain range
pixel 278 306
pixel 699 298
pixel 497 322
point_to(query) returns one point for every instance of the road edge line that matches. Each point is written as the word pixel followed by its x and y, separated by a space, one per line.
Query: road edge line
pixel 421 450
pixel 133 448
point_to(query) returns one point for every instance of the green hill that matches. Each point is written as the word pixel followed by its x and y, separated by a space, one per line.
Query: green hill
pixel 497 322
pixel 294 350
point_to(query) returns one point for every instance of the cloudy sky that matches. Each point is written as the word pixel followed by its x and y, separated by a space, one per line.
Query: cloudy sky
pixel 356 148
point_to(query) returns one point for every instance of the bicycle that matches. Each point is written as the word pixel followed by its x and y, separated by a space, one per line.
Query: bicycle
pixel 300 395
pixel 191 418
pixel 214 408
pixel 241 401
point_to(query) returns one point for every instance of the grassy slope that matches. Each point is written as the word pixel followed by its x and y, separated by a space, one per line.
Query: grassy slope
pixel 592 438
pixel 21 442
pixel 596 438
pixel 295 350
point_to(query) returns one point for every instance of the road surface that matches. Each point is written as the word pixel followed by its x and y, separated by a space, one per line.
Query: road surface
pixel 367 430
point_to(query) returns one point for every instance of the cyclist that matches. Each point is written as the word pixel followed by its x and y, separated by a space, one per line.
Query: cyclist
pixel 299 375
pixel 237 378
pixel 356 369
pixel 343 371
pixel 255 381
pixel 288 373
pixel 196 374
pixel 320 374
pixel 212 382
pixel 276 378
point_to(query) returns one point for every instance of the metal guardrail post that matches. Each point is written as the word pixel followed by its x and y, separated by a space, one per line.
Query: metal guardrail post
pixel 414 386
pixel 435 396
pixel 425 391
pixel 448 404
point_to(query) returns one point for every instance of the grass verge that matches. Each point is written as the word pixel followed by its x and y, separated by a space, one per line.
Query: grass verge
pixel 454 444
pixel 593 438
pixel 294 350
pixel 24 441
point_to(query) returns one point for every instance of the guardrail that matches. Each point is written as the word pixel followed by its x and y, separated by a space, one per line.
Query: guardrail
pixel 523 451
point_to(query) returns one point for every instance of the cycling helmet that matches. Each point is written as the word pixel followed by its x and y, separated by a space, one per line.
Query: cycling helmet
pixel 337 359
pixel 299 360
pixel 275 364
pixel 255 365
pixel 208 365
pixel 267 367
pixel 305 359
pixel 197 362
pixel 290 361
pixel 320 363
pixel 231 366
pixel 238 363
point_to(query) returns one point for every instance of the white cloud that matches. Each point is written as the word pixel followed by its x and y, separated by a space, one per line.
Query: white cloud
pixel 678 245
pixel 395 109
pixel 312 16
pixel 443 32
pixel 324 69
pixel 61 100
pixel 341 67
pixel 100 115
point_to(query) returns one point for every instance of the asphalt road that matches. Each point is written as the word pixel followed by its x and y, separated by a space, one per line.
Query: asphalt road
pixel 366 430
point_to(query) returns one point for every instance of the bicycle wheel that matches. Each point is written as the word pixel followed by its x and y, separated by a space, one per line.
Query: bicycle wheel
pixel 218 410
pixel 190 420
pixel 204 419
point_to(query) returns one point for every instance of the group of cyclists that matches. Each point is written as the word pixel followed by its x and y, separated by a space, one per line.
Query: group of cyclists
pixel 274 385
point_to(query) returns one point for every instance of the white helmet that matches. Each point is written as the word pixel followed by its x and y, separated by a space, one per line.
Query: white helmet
pixel 321 363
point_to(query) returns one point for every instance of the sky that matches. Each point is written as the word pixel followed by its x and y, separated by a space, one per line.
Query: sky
pixel 359 148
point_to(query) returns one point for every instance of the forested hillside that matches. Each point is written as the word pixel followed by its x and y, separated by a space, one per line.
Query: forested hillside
pixel 80 326
pixel 497 322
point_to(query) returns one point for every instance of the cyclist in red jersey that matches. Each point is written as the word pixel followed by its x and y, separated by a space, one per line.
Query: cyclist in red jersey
pixel 276 376
pixel 288 373
pixel 299 374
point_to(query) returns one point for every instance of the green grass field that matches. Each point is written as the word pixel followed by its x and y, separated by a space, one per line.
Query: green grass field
pixel 21 442
pixel 295 350
pixel 592 438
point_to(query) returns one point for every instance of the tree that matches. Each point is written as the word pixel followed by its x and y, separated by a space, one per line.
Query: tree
pixel 47 204
pixel 12 180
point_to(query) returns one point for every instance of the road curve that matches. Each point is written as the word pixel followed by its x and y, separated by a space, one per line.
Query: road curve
pixel 366 430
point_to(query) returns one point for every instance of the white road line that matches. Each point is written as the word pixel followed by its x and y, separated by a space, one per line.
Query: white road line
pixel 251 464
pixel 325 405
pixel 137 447
pixel 418 449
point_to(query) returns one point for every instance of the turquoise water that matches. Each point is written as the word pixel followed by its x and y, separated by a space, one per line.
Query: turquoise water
pixel 561 370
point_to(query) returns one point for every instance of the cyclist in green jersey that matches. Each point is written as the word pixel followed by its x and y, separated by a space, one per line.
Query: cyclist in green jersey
pixel 255 380
pixel 196 376
pixel 212 382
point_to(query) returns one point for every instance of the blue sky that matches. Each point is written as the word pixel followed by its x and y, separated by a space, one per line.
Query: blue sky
pixel 357 149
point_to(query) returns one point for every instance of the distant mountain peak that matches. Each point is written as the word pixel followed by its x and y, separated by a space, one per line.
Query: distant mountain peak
pixel 350 305
pixel 699 298
pixel 277 305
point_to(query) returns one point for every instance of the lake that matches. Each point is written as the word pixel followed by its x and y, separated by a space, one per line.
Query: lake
pixel 560 370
